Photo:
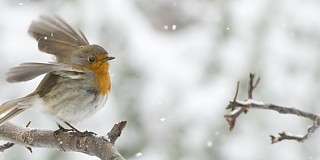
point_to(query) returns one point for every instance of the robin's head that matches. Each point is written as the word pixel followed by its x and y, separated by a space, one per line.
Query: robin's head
pixel 96 59
pixel 93 57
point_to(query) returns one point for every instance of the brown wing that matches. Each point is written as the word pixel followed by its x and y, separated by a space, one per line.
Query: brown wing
pixel 56 37
pixel 28 71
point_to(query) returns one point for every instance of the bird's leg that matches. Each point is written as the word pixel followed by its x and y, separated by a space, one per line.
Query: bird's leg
pixel 85 133
pixel 72 128
pixel 61 129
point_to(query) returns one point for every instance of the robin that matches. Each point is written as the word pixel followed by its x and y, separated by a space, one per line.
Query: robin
pixel 75 87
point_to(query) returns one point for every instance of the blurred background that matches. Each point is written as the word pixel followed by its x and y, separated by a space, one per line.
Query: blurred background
pixel 176 67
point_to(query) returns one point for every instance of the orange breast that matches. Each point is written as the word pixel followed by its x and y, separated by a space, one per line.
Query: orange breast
pixel 103 78
pixel 101 70
pixel 104 83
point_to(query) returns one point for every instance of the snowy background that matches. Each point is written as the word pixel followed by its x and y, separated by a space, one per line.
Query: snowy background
pixel 176 67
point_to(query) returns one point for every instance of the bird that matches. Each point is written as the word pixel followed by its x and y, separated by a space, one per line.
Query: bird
pixel 75 86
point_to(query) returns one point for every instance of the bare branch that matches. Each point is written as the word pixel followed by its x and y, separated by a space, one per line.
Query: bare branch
pixel 6 146
pixel 64 141
pixel 286 136
pixel 231 118
pixel 238 107
pixel 237 92
pixel 116 131
pixel 252 85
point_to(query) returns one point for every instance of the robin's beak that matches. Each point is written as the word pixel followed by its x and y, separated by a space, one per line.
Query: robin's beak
pixel 109 58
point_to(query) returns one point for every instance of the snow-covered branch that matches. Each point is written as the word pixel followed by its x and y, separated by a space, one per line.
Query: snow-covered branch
pixel 238 107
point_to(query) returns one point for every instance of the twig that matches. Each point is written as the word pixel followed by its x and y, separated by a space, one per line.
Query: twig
pixel 64 141
pixel 116 131
pixel 6 146
pixel 237 91
pixel 238 107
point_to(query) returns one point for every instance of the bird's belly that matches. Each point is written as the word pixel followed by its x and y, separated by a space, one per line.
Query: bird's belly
pixel 72 107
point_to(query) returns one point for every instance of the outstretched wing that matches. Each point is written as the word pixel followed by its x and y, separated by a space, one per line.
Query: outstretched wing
pixel 28 71
pixel 55 36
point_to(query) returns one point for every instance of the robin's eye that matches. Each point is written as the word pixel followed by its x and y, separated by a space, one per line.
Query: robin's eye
pixel 91 59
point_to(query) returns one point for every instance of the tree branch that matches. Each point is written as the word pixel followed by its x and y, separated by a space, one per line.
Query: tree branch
pixel 64 141
pixel 238 107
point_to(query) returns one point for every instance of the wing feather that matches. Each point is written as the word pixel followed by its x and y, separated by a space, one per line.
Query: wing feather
pixel 55 36
pixel 28 71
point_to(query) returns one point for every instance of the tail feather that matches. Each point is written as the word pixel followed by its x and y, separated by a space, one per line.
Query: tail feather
pixel 13 108
pixel 10 115
pixel 5 107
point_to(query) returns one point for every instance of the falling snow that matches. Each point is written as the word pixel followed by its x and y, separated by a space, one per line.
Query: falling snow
pixel 139 154
pixel 209 144
pixel 162 119
pixel 174 27
pixel 190 75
